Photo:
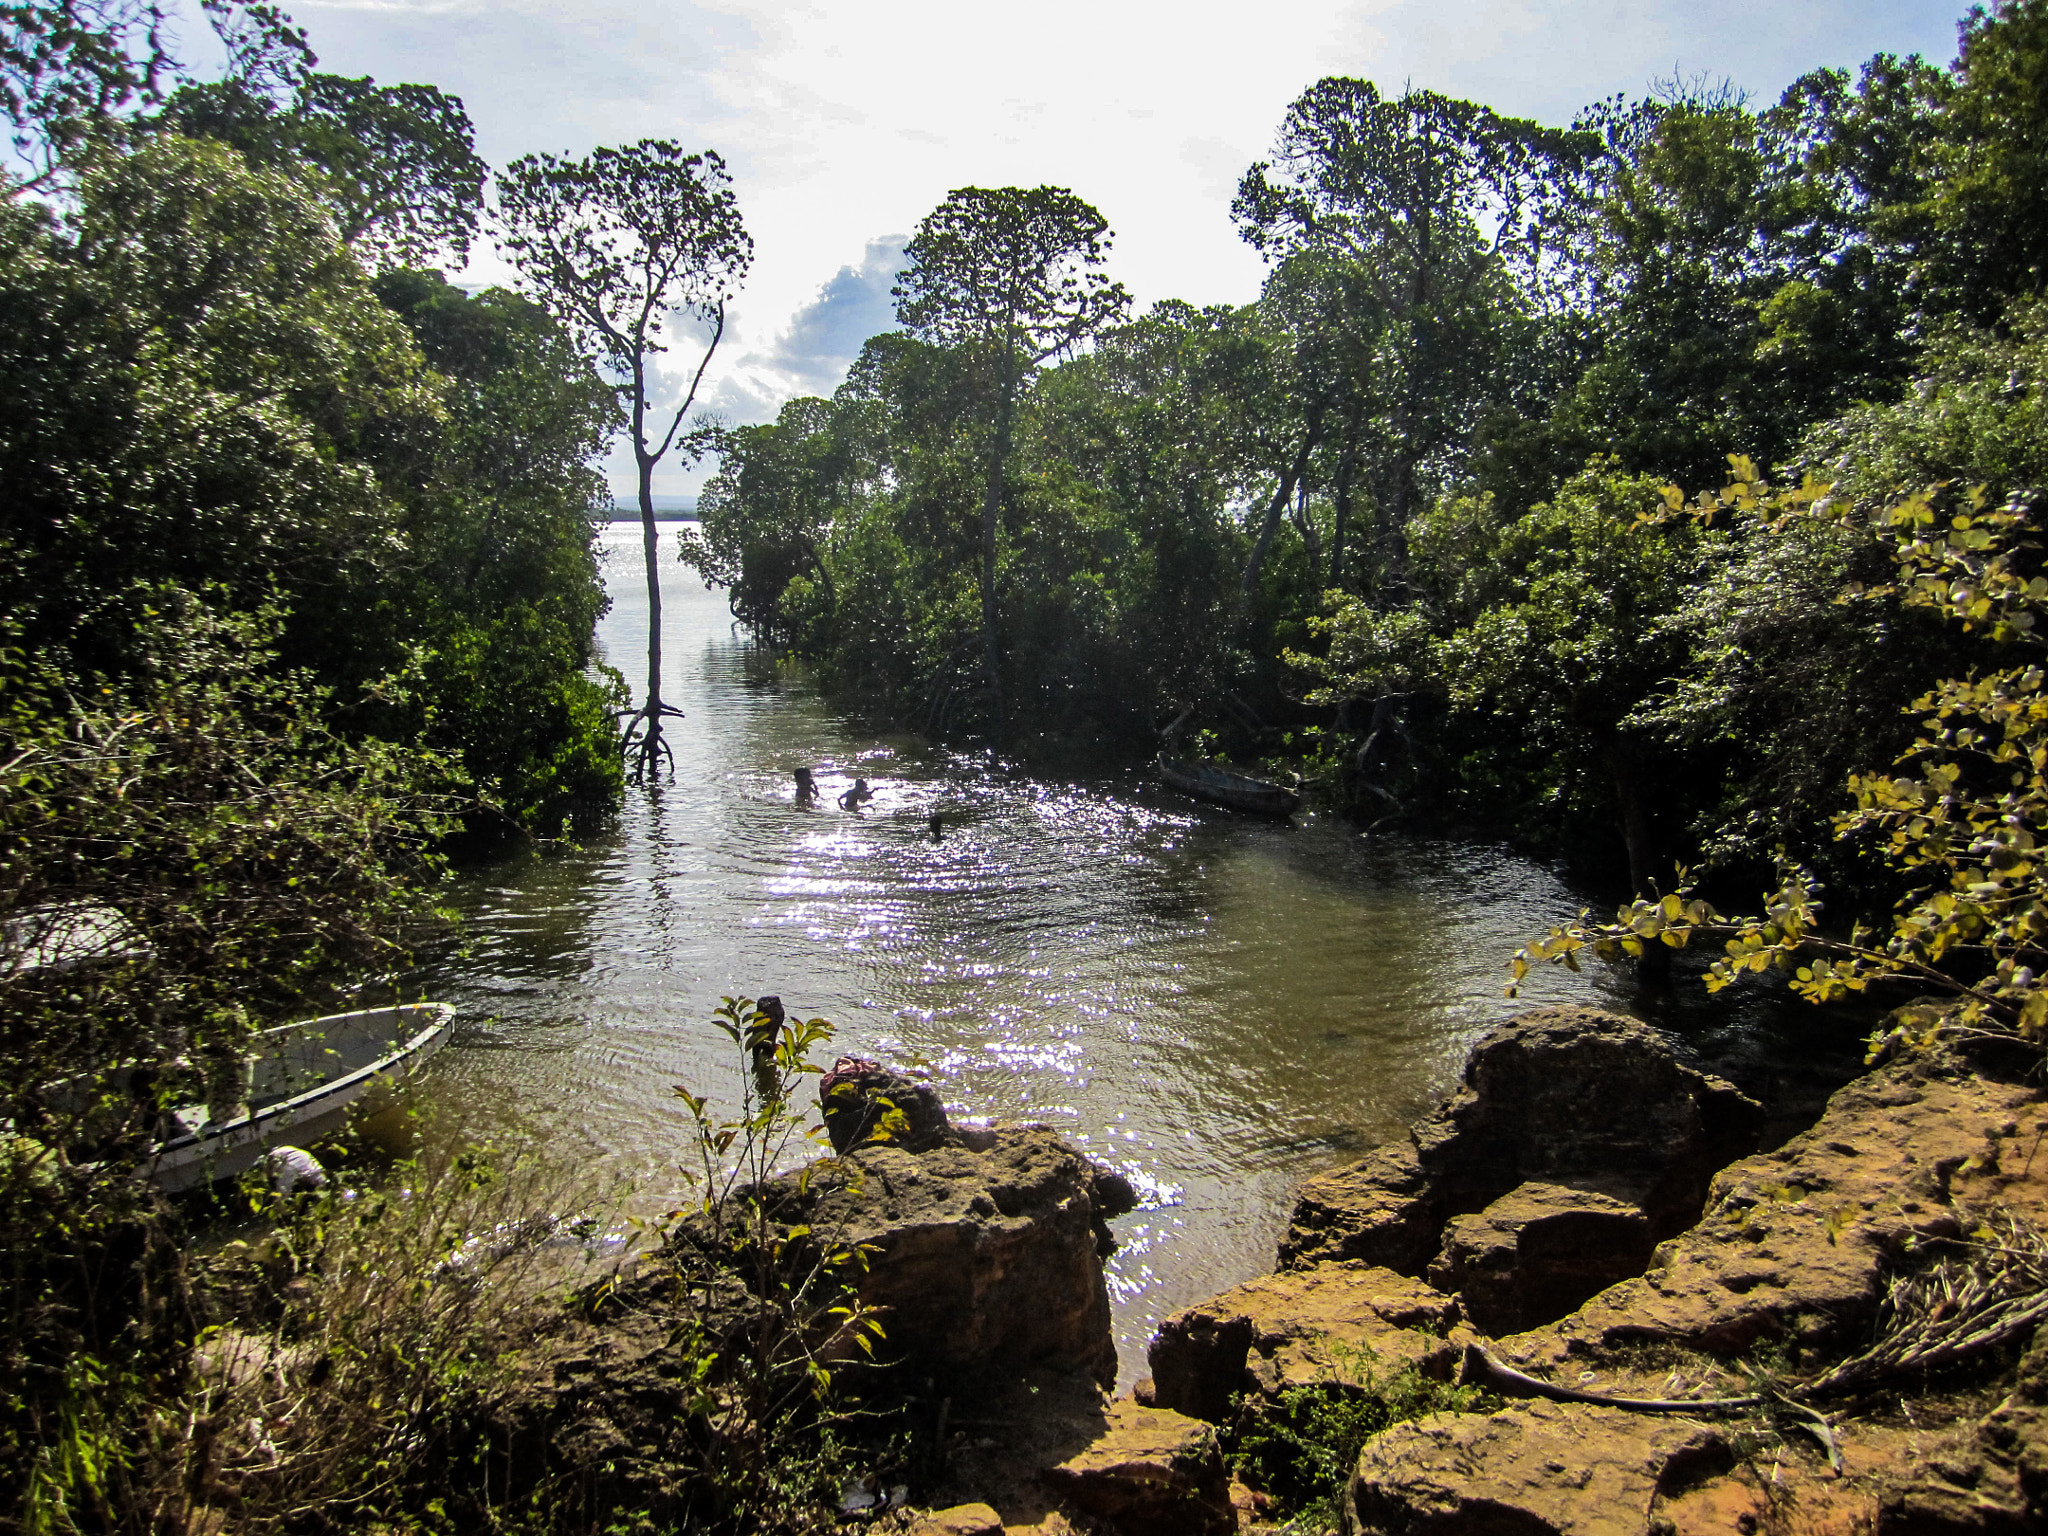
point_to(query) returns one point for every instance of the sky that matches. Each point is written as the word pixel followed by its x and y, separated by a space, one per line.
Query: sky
pixel 844 122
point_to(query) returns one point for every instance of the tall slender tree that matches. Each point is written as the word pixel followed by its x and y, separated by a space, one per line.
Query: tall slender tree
pixel 1433 203
pixel 1013 276
pixel 621 247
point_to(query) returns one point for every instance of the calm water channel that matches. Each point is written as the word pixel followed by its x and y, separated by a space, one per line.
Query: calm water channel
pixel 1218 1006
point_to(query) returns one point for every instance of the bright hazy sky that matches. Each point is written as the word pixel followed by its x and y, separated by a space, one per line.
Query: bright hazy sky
pixel 844 122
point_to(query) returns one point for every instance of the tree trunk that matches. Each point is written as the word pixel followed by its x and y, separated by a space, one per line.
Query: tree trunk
pixel 991 514
pixel 1654 968
pixel 1271 525
pixel 1311 539
pixel 651 744
pixel 1393 519
pixel 1345 467
pixel 817 559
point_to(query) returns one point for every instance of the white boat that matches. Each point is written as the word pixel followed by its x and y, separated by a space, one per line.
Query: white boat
pixel 304 1079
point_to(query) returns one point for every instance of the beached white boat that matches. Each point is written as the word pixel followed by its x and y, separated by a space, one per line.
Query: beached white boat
pixel 304 1079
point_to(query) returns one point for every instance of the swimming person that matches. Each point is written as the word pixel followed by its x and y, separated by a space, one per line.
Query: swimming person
pixel 806 789
pixel 857 796
pixel 938 828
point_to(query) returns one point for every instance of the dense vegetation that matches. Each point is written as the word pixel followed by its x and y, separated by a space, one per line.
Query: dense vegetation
pixel 1389 526
pixel 213 388
pixel 297 588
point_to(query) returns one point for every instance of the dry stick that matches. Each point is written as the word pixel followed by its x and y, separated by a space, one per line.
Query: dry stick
pixel 1481 1369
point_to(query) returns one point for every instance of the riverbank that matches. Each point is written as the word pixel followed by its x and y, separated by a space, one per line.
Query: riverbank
pixel 1598 1289
pixel 1218 1007
pixel 1824 1335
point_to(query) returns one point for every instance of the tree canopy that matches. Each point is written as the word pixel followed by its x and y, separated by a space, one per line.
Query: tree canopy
pixel 1009 277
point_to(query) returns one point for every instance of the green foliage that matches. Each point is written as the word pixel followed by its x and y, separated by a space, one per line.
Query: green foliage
pixel 1012 271
pixel 1987 200
pixel 1960 821
pixel 1974 413
pixel 763 519
pixel 74 72
pixel 1303 1449
pixel 396 164
pixel 1552 628
pixel 215 394
pixel 1005 278
pixel 180 848
pixel 211 395
pixel 1420 208
pixel 503 590
pixel 355 1337
pixel 769 1297
pixel 1734 276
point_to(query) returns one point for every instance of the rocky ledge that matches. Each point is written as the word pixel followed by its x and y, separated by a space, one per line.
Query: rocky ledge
pixel 1591 1213
pixel 1590 1217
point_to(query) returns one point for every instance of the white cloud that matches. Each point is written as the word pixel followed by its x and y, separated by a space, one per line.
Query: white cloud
pixel 843 117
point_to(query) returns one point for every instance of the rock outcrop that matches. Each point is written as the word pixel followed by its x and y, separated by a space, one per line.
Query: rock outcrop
pixel 1538 1251
pixel 1796 1248
pixel 960 1520
pixel 978 1260
pixel 1568 1122
pixel 1544 1468
pixel 1796 1244
pixel 1586 1194
pixel 1993 1479
pixel 983 1264
pixel 1330 1323
pixel 1151 1472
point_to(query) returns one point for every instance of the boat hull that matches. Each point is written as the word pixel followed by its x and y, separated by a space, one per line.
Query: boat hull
pixel 1219 786
pixel 315 1075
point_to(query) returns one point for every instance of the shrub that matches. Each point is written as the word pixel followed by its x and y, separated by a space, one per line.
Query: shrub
pixel 1302 1449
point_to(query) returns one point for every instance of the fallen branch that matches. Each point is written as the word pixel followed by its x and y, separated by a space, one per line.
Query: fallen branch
pixel 1481 1370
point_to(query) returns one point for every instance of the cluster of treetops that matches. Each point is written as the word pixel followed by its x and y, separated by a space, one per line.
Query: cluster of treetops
pixel 1397 525
pixel 1387 522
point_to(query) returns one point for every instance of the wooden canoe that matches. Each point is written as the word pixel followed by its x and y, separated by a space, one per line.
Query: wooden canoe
pixel 1206 781
pixel 304 1079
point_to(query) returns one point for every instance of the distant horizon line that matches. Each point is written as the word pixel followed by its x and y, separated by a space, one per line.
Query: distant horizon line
pixel 664 501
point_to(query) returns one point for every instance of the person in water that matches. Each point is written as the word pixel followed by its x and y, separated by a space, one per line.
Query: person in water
pixel 806 789
pixel 857 796
pixel 938 828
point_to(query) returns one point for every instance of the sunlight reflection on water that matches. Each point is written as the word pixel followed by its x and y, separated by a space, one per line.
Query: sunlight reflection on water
pixel 1220 1007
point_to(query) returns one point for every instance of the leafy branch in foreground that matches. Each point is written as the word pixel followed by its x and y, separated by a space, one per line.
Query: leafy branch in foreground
pixel 766 1293
pixel 1962 818
pixel 184 853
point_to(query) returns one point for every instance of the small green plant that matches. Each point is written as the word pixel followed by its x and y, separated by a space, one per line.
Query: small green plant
pixel 1301 1449
pixel 769 1296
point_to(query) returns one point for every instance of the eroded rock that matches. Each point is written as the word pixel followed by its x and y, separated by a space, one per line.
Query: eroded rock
pixel 1296 1328
pixel 1538 1252
pixel 1569 1097
pixel 960 1520
pixel 978 1260
pixel 1151 1472
pixel 1796 1244
pixel 1379 1210
pixel 1564 1468
pixel 1994 1481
